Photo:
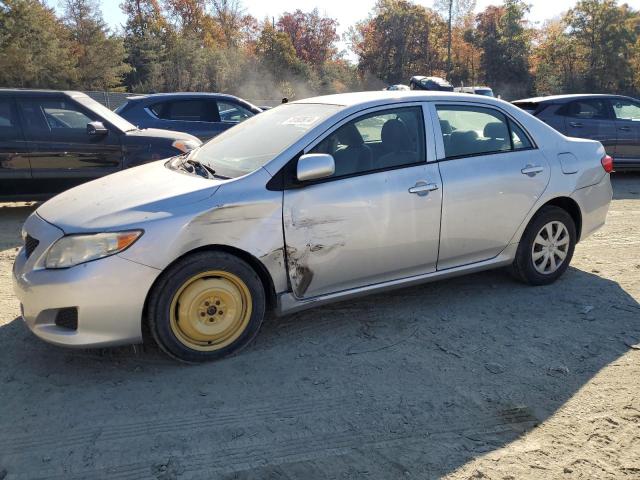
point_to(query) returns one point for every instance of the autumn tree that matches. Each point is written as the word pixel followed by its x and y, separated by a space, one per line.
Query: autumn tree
pixel 35 48
pixel 453 11
pixel 399 40
pixel 313 36
pixel 188 16
pixel 555 61
pixel 99 55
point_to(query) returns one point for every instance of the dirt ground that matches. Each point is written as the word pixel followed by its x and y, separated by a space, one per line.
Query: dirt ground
pixel 476 377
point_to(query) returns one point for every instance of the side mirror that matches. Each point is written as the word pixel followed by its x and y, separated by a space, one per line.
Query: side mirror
pixel 96 129
pixel 314 166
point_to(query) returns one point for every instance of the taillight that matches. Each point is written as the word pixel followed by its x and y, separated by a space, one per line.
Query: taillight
pixel 607 163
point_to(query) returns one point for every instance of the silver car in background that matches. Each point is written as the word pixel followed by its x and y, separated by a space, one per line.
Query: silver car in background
pixel 309 203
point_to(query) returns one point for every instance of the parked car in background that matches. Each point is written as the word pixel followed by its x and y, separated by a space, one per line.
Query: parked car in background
pixel 312 202
pixel 486 91
pixel 430 83
pixel 613 120
pixel 397 87
pixel 203 115
pixel 53 140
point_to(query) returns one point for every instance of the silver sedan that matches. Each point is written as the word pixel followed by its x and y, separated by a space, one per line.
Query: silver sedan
pixel 309 203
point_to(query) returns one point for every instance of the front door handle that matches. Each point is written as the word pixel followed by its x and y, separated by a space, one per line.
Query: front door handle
pixel 532 170
pixel 422 188
pixel 625 129
pixel 576 124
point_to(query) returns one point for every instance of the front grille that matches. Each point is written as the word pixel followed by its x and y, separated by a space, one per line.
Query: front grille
pixel 67 318
pixel 30 245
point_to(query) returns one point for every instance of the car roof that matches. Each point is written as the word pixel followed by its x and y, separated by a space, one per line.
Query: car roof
pixel 182 95
pixel 31 91
pixel 374 98
pixel 567 97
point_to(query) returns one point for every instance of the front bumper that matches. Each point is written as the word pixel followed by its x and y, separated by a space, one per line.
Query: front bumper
pixel 109 294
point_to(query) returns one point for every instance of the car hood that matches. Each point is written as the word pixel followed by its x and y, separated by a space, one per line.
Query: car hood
pixel 127 199
pixel 160 133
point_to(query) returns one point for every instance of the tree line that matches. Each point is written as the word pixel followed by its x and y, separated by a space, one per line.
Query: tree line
pixel 216 45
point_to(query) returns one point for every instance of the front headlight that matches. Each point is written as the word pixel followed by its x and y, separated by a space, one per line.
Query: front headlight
pixel 75 249
pixel 186 145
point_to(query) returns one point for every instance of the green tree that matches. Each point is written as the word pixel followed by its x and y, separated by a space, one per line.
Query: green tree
pixel 277 53
pixel 99 55
pixel 506 44
pixel 606 38
pixel 35 48
pixel 144 41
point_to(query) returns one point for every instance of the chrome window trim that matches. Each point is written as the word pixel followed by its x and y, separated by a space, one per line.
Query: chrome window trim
pixel 439 142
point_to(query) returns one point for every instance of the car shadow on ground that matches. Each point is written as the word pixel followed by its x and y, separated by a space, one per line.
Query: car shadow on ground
pixel 413 382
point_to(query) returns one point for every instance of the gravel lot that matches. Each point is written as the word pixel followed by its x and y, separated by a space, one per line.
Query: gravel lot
pixel 476 377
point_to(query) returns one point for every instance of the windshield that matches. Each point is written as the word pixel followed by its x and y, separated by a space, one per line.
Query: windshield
pixel 487 92
pixel 102 111
pixel 252 143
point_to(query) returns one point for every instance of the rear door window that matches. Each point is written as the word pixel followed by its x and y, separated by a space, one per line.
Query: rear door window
pixel 232 112
pixel 626 110
pixel 586 109
pixel 473 130
pixel 191 110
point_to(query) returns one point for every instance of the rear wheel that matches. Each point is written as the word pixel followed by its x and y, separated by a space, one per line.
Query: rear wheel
pixel 206 306
pixel 546 247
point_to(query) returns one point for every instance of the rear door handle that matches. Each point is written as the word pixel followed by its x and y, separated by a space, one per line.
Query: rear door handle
pixel 576 124
pixel 532 170
pixel 422 188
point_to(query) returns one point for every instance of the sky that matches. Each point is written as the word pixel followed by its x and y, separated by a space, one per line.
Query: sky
pixel 348 12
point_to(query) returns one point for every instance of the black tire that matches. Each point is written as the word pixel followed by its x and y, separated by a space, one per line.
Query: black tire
pixel 523 266
pixel 180 274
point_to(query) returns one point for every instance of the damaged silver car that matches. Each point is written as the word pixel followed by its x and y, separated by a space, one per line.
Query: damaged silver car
pixel 311 202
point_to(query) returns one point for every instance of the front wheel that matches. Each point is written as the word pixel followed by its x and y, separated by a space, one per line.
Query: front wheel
pixel 546 247
pixel 206 306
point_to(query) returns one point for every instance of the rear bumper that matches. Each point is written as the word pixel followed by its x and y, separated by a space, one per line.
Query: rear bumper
pixel 109 295
pixel 594 204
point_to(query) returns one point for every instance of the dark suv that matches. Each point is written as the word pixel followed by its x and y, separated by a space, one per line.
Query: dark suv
pixel 204 115
pixel 613 120
pixel 419 82
pixel 51 141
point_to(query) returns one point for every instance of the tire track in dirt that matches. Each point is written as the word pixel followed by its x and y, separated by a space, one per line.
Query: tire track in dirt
pixel 314 444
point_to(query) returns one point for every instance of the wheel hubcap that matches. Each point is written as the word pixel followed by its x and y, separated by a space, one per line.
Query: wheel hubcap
pixel 210 310
pixel 550 247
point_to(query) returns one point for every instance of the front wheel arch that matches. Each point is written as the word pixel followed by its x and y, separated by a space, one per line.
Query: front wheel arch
pixel 257 265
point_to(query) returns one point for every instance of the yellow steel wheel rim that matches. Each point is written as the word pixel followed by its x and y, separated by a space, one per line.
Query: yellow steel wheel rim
pixel 210 310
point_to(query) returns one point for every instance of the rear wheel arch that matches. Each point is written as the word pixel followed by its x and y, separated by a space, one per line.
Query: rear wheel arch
pixel 254 263
pixel 571 207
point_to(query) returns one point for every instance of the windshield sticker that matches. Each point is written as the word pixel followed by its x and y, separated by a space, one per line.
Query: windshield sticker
pixel 301 121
